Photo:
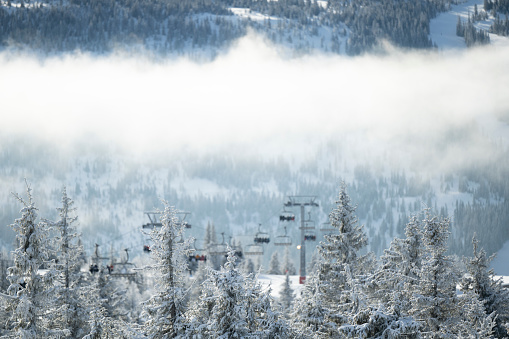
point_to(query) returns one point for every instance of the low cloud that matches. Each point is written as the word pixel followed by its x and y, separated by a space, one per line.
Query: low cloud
pixel 252 97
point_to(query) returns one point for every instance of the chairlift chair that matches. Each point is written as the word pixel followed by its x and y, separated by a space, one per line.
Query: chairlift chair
pixel 261 237
pixel 283 240
pixel 308 224
pixel 198 255
pixel 310 237
pixel 286 215
pixel 253 249
pixel 218 249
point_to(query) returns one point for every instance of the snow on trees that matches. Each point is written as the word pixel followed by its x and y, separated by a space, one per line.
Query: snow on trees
pixel 274 264
pixel 69 312
pixel 481 282
pixel 310 317
pixel 164 311
pixel 286 295
pixel 393 283
pixel 232 305
pixel 340 263
pixel 30 290
pixel 435 303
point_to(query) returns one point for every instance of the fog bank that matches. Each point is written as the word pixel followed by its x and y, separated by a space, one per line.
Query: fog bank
pixel 251 97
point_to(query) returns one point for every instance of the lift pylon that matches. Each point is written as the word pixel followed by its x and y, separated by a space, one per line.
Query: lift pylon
pixel 302 201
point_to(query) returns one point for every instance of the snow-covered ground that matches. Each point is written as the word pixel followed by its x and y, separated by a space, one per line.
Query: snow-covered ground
pixel 443 27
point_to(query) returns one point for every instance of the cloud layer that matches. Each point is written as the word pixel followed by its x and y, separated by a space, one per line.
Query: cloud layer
pixel 252 96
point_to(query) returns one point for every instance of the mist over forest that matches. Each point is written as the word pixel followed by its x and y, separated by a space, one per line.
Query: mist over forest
pixel 229 140
pixel 154 155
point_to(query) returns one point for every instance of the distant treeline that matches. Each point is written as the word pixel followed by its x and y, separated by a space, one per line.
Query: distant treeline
pixel 173 27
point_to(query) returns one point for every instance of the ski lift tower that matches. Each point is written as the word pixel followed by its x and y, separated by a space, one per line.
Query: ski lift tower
pixel 302 201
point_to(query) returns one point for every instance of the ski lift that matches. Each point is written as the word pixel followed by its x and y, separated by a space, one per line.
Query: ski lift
pixel 218 249
pixel 94 268
pixel 152 216
pixel 237 249
pixel 283 240
pixel 261 237
pixel 308 224
pixel 327 228
pixel 310 237
pixel 199 256
pixel 96 260
pixel 122 269
pixel 253 249
pixel 286 215
pixel 182 220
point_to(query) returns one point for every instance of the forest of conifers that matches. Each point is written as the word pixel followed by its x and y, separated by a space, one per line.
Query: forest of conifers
pixel 176 27
pixel 410 292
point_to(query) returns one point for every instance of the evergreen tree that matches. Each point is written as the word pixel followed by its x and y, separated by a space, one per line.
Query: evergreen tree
pixel 229 318
pixel 30 291
pixel 480 281
pixel 341 266
pixel 286 296
pixel 270 321
pixel 164 312
pixel 395 280
pixel 232 305
pixel 313 263
pixel 69 312
pixel 435 303
pixel 310 317
pixel 249 267
pixel 199 278
pixel 274 264
pixel 100 324
pixel 288 264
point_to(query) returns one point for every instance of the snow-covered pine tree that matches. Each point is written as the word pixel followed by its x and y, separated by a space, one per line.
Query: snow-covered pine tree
pixel 164 312
pixel 68 312
pixel 199 277
pixel 29 290
pixel 288 264
pixel 200 311
pixel 101 326
pixel 474 322
pixel 313 263
pixel 286 295
pixel 395 279
pixel 229 317
pixel 248 266
pixel 271 322
pixel 435 303
pixel 106 305
pixel 310 318
pixel 341 266
pixel 480 281
pixel 232 305
pixel 274 264
pixel 110 293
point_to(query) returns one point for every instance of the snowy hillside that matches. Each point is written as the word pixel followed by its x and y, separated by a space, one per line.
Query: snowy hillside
pixel 204 30
pixel 443 27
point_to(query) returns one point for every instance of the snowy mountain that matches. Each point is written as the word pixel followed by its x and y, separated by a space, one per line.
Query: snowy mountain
pixel 202 30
